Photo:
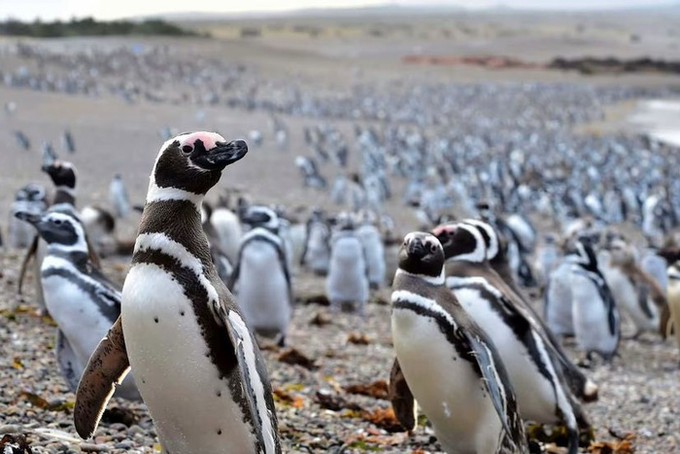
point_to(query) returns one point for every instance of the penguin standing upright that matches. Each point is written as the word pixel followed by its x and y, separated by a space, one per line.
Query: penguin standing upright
pixel 30 198
pixel 533 365
pixel 198 367
pixel 580 385
pixel 374 251
pixel 261 279
pixel 82 302
pixel 596 317
pixel 347 278
pixel 63 176
pixel 316 254
pixel 447 360
pixel 635 292
pixel 118 197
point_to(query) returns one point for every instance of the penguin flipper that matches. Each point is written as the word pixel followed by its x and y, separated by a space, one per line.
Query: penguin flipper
pixel 30 253
pixel 249 358
pixel 69 366
pixel 403 402
pixel 505 403
pixel 106 368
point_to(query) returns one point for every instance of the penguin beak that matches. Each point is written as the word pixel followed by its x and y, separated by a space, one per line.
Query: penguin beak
pixel 415 248
pixel 31 218
pixel 220 156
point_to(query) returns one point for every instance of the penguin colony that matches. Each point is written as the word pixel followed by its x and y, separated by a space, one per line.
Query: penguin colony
pixel 209 284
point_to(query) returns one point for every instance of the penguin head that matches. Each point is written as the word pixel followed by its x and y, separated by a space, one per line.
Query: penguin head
pixel 461 241
pixel 492 239
pixel 261 216
pixel 62 173
pixel 421 253
pixel 57 228
pixel 193 161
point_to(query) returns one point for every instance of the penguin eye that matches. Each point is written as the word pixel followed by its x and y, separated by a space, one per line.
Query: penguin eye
pixel 187 149
pixel 57 221
pixel 433 248
pixel 450 233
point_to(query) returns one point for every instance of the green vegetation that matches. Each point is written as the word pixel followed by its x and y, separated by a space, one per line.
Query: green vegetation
pixel 91 27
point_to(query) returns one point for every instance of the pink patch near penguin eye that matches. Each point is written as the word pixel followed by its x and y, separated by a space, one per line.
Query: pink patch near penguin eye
pixel 439 230
pixel 209 139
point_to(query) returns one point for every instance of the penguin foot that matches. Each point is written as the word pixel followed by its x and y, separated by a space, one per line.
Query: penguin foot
pixel 282 341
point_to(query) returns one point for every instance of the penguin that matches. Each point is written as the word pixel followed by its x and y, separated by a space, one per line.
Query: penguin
pixel 197 364
pixel 100 226
pixel 674 299
pixel 80 299
pixel 63 175
pixel 594 311
pixel 30 198
pixel 374 251
pixel 532 364
pixel 22 140
pixel 557 299
pixel 347 278
pixel 227 231
pixel 67 141
pixel 447 360
pixel 118 197
pixel 580 385
pixel 316 254
pixel 635 292
pixel 261 279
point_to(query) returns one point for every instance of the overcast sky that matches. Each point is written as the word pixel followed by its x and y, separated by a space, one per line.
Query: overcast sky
pixel 112 9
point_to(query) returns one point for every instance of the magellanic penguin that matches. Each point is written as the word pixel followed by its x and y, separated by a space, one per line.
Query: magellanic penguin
pixel 580 385
pixel 30 198
pixel 63 176
pixel 347 278
pixel 674 299
pixel 317 252
pixel 118 197
pixel 198 367
pixel 533 365
pixel 627 280
pixel 450 365
pixel 261 280
pixel 81 300
pixel 597 324
pixel 374 250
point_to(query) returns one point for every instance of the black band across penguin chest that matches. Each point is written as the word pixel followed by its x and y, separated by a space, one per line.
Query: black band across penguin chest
pixel 161 218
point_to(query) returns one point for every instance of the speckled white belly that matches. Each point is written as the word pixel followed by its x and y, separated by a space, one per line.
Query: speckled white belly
pixel 191 406
pixel 446 387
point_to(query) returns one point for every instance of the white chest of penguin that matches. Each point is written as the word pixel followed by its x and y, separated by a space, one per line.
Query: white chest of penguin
pixel 173 369
pixel 77 315
pixel 425 355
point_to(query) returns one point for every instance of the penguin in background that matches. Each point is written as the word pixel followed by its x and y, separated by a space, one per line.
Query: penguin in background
pixel 347 278
pixel 374 249
pixel 637 294
pixel 597 324
pixel 177 311
pixel 533 364
pixel 317 252
pixel 118 197
pixel 227 229
pixel 261 279
pixel 494 266
pixel 30 198
pixel 446 360
pixel 80 299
